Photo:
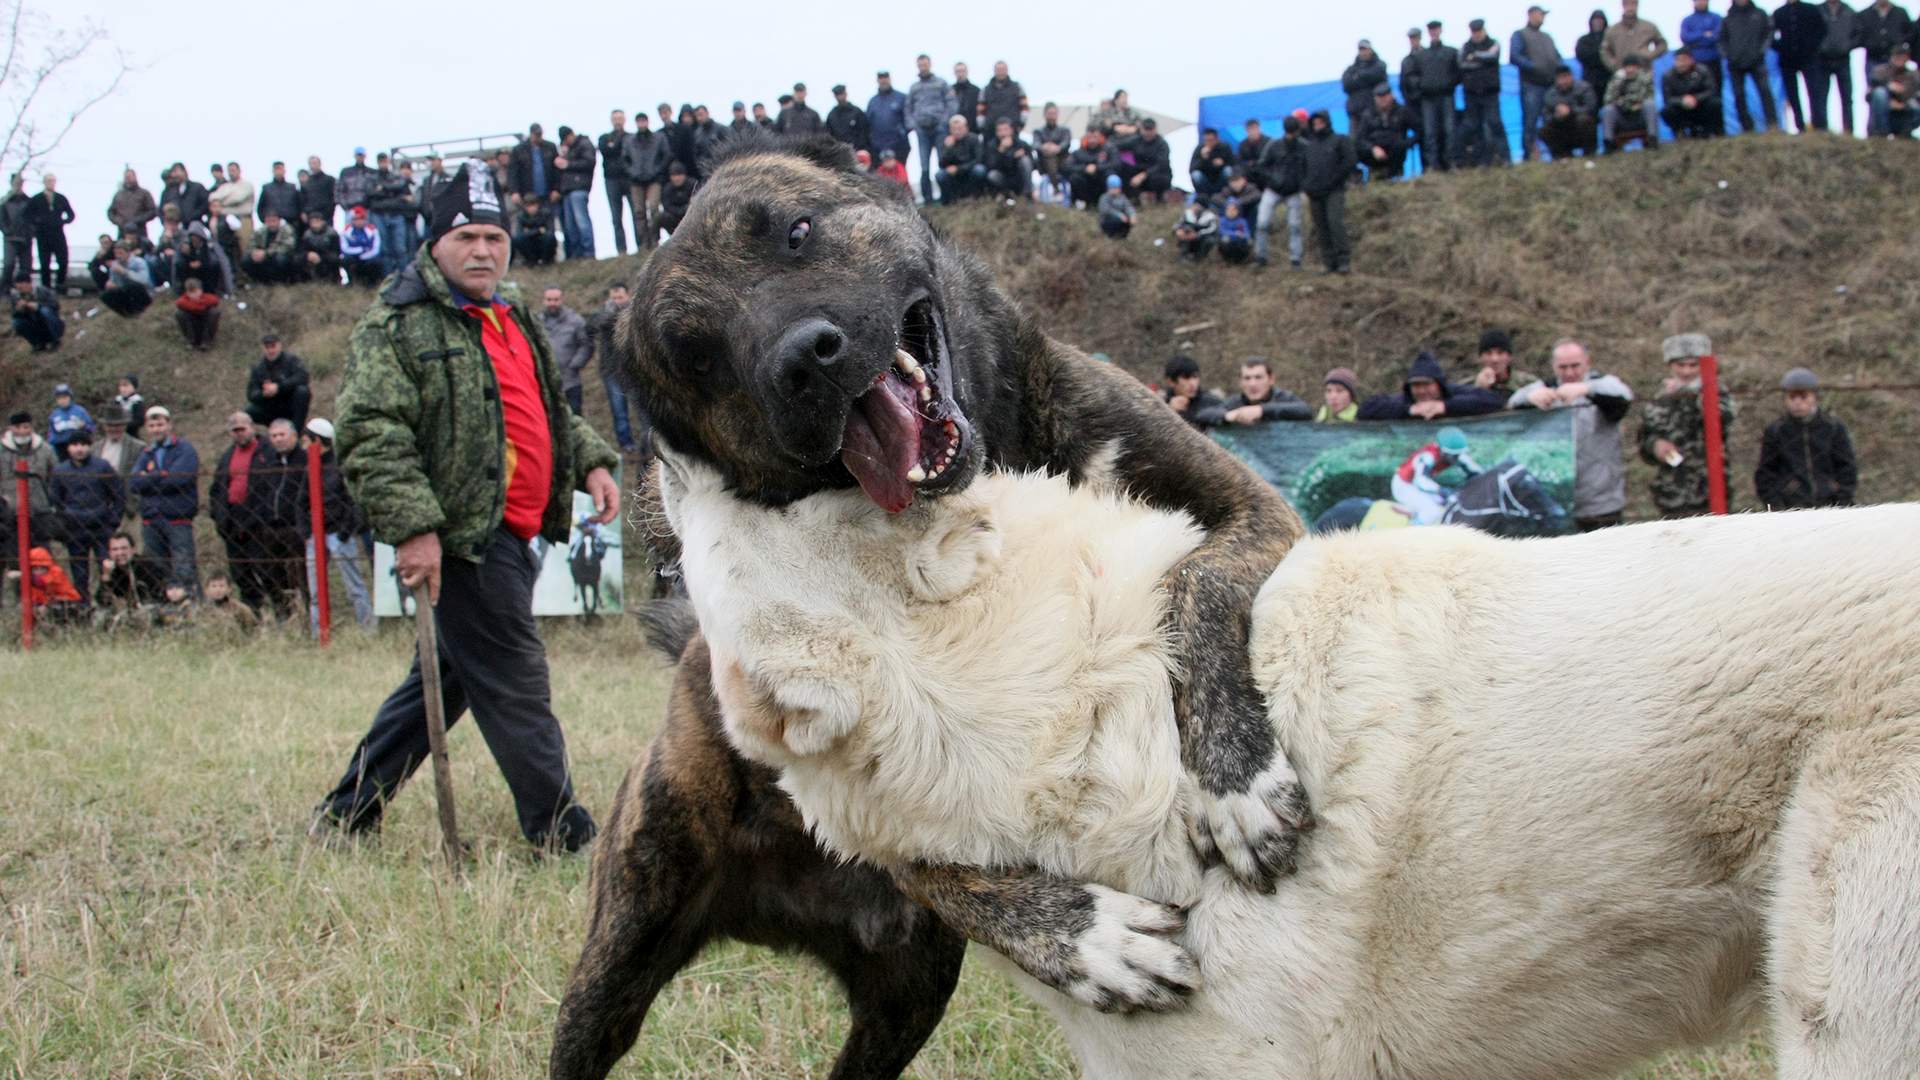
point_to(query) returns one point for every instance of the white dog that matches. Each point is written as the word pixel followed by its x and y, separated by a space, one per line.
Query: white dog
pixel 1579 800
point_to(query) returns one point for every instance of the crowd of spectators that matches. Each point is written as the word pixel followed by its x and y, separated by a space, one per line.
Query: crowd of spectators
pixel 1806 456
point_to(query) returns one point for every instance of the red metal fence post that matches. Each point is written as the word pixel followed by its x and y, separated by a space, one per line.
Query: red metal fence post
pixel 23 525
pixel 317 519
pixel 1716 448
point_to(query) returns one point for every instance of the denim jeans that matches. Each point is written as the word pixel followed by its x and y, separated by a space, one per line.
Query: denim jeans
pixel 927 140
pixel 1436 133
pixel 343 554
pixel 1533 102
pixel 617 405
pixel 394 253
pixel 579 226
pixel 1263 225
pixel 171 544
pixel 1486 129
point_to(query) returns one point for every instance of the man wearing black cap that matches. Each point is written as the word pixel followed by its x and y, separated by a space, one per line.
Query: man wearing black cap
pixel 1387 131
pixel 1480 79
pixel 846 121
pixel 1438 73
pixel 1366 72
pixel 277 387
pixel 797 117
pixel 458 446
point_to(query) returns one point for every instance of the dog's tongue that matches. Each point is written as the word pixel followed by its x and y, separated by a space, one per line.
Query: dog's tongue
pixel 882 443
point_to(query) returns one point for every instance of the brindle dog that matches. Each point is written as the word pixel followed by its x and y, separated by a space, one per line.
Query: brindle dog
pixel 805 330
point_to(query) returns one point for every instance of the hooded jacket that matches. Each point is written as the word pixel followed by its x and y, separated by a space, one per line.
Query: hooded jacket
pixel 205 261
pixel 1327 158
pixel 1462 399
pixel 48 584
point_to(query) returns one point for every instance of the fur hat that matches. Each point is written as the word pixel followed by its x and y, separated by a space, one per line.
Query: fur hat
pixel 1686 347
pixel 468 200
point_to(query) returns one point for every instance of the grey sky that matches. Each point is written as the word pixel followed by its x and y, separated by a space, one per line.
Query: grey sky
pixel 281 80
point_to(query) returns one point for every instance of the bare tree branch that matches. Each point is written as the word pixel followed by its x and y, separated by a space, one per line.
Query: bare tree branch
pixel 26 86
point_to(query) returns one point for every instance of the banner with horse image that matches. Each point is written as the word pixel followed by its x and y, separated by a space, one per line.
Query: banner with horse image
pixel 581 577
pixel 1510 473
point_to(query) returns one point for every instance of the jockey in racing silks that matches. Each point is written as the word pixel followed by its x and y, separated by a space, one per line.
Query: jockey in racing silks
pixel 1414 486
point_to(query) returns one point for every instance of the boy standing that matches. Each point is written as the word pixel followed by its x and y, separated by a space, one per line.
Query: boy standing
pixel 1806 456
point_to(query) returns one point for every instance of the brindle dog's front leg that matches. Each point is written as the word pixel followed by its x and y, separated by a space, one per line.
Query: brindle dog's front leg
pixel 1104 426
pixel 1106 949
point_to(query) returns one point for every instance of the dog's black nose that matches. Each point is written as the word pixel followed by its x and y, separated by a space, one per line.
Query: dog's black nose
pixel 809 348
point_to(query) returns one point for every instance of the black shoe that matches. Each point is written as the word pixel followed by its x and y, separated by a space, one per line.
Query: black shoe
pixel 572 830
pixel 327 825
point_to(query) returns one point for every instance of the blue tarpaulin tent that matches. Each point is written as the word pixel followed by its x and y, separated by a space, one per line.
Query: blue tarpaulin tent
pixel 1230 112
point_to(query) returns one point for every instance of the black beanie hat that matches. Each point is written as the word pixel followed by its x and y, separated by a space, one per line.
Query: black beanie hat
pixel 468 200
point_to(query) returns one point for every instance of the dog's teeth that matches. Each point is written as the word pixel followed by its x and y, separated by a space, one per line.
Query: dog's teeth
pixel 916 474
pixel 920 376
pixel 926 392
pixel 904 360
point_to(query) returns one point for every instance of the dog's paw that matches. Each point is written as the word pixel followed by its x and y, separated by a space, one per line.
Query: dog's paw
pixel 1126 961
pixel 1256 832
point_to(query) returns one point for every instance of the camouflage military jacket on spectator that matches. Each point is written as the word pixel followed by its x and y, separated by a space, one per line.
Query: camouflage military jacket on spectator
pixel 1677 418
pixel 276 242
pixel 422 441
pixel 1630 93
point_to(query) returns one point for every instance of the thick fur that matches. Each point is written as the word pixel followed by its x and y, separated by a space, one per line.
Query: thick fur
pixel 1580 799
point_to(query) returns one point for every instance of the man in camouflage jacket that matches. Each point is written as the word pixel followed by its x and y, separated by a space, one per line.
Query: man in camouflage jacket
pixel 1674 427
pixel 458 446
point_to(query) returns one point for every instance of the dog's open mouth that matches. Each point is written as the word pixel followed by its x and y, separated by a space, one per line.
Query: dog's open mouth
pixel 906 434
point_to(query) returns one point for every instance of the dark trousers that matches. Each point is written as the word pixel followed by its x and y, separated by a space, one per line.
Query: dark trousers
pixel 1597 522
pixel 1436 133
pixel 86 549
pixel 1563 135
pixel 1330 228
pixel 170 544
pixel 128 300
pixel 38 327
pixel 19 261
pixel 575 398
pixel 619 199
pixel 1699 122
pixel 1809 75
pixel 1487 130
pixel 290 405
pixel 367 272
pixel 53 249
pixel 1820 74
pixel 491 660
pixel 1737 80
pixel 198 327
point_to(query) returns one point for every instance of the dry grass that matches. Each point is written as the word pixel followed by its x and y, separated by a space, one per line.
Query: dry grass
pixel 165 917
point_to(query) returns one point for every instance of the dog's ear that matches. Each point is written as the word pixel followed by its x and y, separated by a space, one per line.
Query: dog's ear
pixel 961 548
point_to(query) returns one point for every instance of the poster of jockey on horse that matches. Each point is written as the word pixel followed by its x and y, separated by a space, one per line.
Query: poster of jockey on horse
pixel 1510 474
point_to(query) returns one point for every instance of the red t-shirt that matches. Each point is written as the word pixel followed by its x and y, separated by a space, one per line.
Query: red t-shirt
pixel 238 468
pixel 529 451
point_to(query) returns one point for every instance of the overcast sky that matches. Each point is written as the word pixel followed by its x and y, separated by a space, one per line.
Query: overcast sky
pixel 281 80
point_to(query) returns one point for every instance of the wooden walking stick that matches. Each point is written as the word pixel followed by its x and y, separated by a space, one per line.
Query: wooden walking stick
pixel 436 724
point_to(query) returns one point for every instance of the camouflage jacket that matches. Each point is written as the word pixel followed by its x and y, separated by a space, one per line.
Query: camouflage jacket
pixel 422 441
pixel 1677 417
pixel 277 243
pixel 1630 93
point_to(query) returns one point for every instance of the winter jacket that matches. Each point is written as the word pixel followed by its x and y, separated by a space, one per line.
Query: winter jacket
pixel 1839 40
pixel 340 516
pixel 707 138
pixel 1880 33
pixel 1678 418
pixel 359 244
pixel 13 216
pixel 648 155
pixel 1438 71
pixel 1151 157
pixel 1248 198
pixel 286 371
pixel 1579 97
pixel 277 242
pixel 1248 154
pixel 1535 54
pixel 1593 65
pixel 1016 159
pixel 1805 463
pixel 1327 159
pixel 1599 472
pixel 324 242
pixel 676 201
pixel 40 461
pixel 520 178
pixel 1213 164
pixel 1463 399
pixel 1699 82
pixel 88 495
pixel 1279 405
pixel 966 102
pixel 1480 66
pixel 1396 131
pixel 1115 206
pixel 1701 33
pixel 1800 31
pixel 1099 157
pixel 964 153
pixel 612 148
pixel 1236 229
pixel 930 102
pixel 132 206
pixel 1630 94
pixel 49 214
pixel 578 175
pixel 63 423
pixel 201 258
pixel 887 122
pixel 138 583
pixel 191 198
pixel 432 186
pixel 276 498
pixel 572 346
pixel 281 197
pixel 316 195
pixel 166 477
pixel 1637 38
pixel 1359 80
pixel 47 583
pixel 1203 400
pixel 391 194
pixel 798 119
pixel 1745 35
pixel 1282 167
pixel 1003 99
pixel 1201 219
pixel 1060 136
pixel 421 436
pixel 355 185
pixel 848 124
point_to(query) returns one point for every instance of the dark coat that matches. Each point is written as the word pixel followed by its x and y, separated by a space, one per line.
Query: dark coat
pixel 1804 463
pixel 316 195
pixel 648 155
pixel 1280 405
pixel 797 119
pixel 88 494
pixel 1282 167
pixel 1213 164
pixel 1745 35
pixel 966 96
pixel 520 167
pixel 355 185
pixel 342 516
pixel 49 214
pixel 1327 161
pixel 1880 33
pixel 1153 158
pixel 1799 31
pixel 281 197
pixel 286 370
pixel 166 477
pixel 964 152
pixel 848 123
pixel 191 198
pixel 1004 100
pixel 578 175
pixel 1359 80
pixel 1463 399
pixel 1439 70
pixel 613 157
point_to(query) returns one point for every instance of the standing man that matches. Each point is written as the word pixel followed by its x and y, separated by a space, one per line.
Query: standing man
pixel 648 155
pixel 797 117
pixel 235 500
pixel 1673 430
pixel 1600 403
pixel 279 196
pixel 166 478
pixel 355 186
pixel 846 121
pixel 572 347
pixel 342 532
pixel 930 102
pixel 1439 74
pixel 531 170
pixel 47 218
pixel 1745 36
pixel 1003 99
pixel 966 97
pixel 887 124
pixel 1836 62
pixel 1632 36
pixel 575 162
pixel 1701 33
pixel 1480 79
pixel 1366 72
pixel 1881 25
pixel 613 172
pixel 600 331
pixel 1327 165
pixel 316 192
pixel 16 230
pixel 1800 33
pixel 132 206
pixel 459 462
pixel 1533 52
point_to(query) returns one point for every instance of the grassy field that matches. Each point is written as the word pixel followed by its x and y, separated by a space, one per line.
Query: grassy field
pixel 164 915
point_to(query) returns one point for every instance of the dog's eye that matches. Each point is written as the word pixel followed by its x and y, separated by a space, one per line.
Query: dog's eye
pixel 797 234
